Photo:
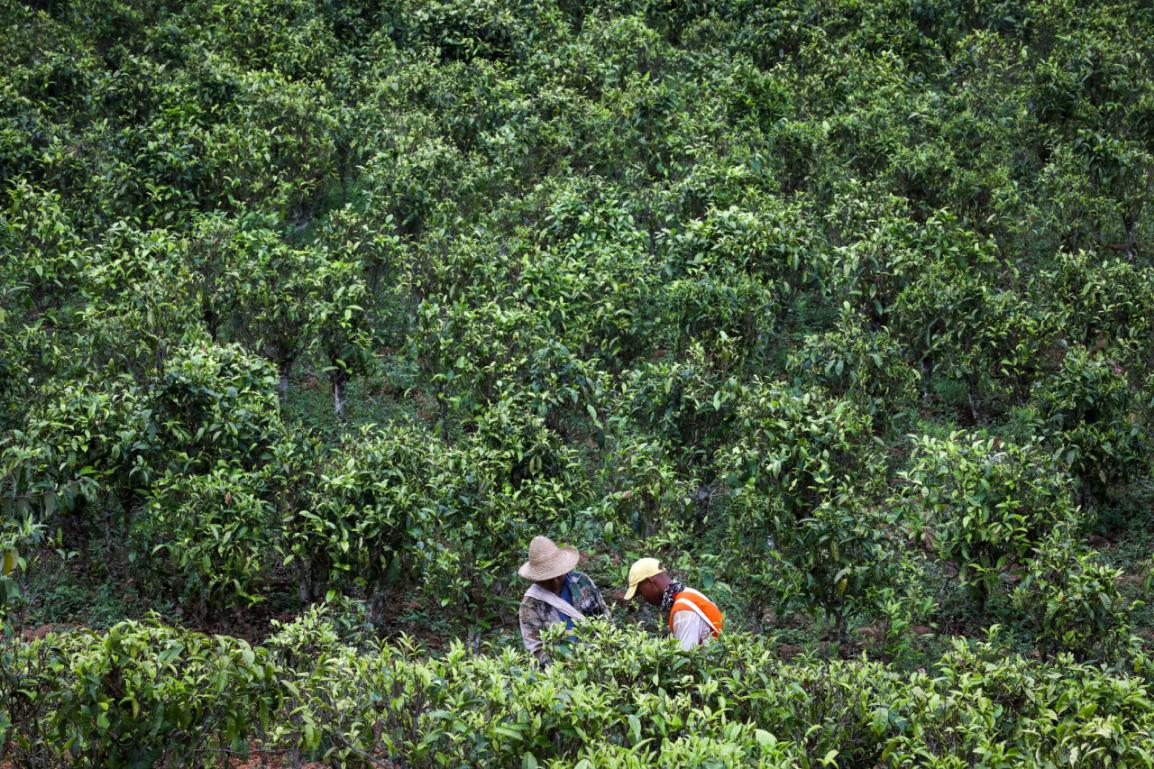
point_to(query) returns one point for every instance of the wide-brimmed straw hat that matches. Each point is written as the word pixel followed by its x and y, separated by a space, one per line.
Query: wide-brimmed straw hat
pixel 547 561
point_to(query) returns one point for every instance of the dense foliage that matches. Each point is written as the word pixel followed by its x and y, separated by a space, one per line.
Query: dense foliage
pixel 145 694
pixel 844 309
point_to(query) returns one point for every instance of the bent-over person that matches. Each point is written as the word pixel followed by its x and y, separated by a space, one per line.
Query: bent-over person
pixel 693 618
pixel 558 594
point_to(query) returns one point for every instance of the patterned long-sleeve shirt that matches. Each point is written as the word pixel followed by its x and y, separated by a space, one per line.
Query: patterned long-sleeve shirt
pixel 536 615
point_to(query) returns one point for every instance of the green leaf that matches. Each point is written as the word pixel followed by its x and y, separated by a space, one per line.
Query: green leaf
pixel 509 732
pixel 634 728
pixel 11 558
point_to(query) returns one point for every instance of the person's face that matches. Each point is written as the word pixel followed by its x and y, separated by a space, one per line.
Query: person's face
pixel 650 591
pixel 553 585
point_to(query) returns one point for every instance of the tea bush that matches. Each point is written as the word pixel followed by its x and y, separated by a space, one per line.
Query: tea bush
pixel 803 448
pixel 368 512
pixel 138 695
pixel 216 529
pixel 1090 416
pixel 863 365
pixel 1073 599
pixel 803 475
pixel 147 693
pixel 1104 304
pixel 983 504
pixel 215 403
pixel 89 450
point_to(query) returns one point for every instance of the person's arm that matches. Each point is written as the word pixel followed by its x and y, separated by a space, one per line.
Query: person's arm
pixel 602 608
pixel 689 628
pixel 587 599
pixel 531 630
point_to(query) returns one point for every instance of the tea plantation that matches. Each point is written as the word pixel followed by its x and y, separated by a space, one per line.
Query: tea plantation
pixel 314 313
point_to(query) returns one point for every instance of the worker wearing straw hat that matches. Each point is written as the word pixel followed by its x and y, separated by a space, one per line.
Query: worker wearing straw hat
pixel 558 594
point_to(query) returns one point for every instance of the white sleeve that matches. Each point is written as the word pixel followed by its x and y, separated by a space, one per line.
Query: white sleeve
pixel 689 628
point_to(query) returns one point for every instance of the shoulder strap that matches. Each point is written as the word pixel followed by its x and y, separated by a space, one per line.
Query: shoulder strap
pixel 556 601
pixel 688 603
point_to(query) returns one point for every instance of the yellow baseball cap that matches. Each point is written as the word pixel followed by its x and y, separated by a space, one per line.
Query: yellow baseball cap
pixel 641 570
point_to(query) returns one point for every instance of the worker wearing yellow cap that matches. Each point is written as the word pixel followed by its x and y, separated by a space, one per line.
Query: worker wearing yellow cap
pixel 693 618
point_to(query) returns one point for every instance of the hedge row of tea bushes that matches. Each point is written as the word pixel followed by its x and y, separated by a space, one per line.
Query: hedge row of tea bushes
pixel 150 695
